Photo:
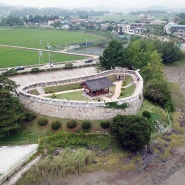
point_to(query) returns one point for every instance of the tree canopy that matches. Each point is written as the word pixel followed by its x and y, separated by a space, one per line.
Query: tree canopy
pixel 138 53
pixel 132 132
pixel 10 110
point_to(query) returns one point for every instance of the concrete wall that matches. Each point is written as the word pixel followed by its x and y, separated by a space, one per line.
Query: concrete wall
pixel 81 109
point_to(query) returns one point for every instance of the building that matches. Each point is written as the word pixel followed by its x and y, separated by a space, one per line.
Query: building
pixel 134 28
pixel 145 19
pixel 98 86
pixel 174 29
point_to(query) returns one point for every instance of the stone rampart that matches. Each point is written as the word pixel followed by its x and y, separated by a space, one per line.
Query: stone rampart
pixel 82 109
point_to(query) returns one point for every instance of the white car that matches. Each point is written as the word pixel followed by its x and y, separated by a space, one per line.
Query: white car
pixel 48 65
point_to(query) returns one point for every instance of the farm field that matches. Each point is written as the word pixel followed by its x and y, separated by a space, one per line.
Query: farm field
pixel 40 38
pixel 37 38
pixel 11 57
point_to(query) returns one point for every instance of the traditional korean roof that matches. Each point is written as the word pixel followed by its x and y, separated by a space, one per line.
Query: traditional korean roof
pixel 98 83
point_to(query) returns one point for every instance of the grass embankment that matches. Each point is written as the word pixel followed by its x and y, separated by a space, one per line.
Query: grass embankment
pixel 53 170
pixel 30 132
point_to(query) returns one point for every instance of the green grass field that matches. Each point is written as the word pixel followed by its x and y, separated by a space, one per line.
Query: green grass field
pixel 40 38
pixel 37 38
pixel 11 57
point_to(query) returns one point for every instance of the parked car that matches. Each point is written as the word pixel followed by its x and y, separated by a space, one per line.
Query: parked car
pixel 89 60
pixel 48 65
pixel 19 68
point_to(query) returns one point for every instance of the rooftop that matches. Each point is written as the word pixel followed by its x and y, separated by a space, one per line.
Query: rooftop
pixel 98 83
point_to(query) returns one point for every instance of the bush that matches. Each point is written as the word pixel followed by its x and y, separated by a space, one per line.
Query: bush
pixel 146 114
pixel 133 133
pixel 124 83
pixel 53 96
pixel 55 125
pixel 29 116
pixel 71 124
pixel 105 124
pixel 86 125
pixel 35 70
pixel 122 94
pixel 42 121
pixel 68 66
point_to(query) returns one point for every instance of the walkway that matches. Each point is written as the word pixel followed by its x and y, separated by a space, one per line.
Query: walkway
pixel 18 175
pixel 117 91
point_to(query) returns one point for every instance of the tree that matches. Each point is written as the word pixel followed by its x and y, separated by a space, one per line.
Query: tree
pixel 113 55
pixel 157 91
pixel 132 132
pixel 169 51
pixel 153 69
pixel 10 110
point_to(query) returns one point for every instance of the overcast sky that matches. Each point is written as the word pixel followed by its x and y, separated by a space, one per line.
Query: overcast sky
pixel 174 4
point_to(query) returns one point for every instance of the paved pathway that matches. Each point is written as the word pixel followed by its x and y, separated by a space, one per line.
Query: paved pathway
pixel 18 175
pixel 117 91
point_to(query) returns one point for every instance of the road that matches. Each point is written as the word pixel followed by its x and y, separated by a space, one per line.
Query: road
pixel 56 65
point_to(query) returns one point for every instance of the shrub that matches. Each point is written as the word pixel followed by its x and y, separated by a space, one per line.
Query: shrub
pixel 34 70
pixel 71 124
pixel 133 133
pixel 29 116
pixel 86 125
pixel 124 83
pixel 122 94
pixel 114 105
pixel 146 114
pixel 53 96
pixel 105 124
pixel 55 125
pixel 68 66
pixel 42 121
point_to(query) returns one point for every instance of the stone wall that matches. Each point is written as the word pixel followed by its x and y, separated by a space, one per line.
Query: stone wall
pixel 79 109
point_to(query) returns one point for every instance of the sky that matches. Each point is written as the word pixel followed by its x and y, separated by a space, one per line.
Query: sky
pixel 125 4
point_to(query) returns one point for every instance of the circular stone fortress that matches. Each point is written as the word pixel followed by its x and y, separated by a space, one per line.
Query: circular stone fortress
pixel 83 110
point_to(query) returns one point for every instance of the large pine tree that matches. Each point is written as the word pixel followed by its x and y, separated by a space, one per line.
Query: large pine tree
pixel 10 109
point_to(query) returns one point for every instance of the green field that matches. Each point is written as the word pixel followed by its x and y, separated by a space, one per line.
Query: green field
pixel 40 38
pixel 37 38
pixel 11 57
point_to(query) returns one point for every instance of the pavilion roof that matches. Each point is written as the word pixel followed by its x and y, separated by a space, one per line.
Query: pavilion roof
pixel 98 83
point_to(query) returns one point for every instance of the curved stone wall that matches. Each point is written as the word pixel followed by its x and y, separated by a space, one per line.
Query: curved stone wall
pixel 82 109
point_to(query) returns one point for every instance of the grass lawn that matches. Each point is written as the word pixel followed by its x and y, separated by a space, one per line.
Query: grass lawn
pixel 40 38
pixel 76 95
pixel 11 57
pixel 59 88
pixel 127 92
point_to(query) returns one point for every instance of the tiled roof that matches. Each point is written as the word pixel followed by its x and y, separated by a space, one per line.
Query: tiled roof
pixel 98 83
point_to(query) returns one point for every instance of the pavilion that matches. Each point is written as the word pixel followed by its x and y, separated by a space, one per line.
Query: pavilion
pixel 96 87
